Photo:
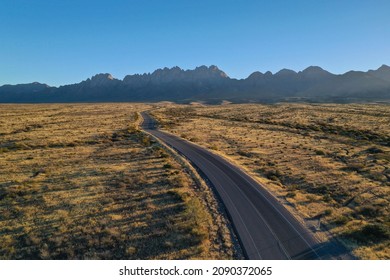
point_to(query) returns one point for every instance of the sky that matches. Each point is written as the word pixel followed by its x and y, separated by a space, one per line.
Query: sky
pixel 61 42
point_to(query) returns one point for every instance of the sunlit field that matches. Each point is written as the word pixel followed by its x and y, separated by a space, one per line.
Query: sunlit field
pixel 82 182
pixel 328 164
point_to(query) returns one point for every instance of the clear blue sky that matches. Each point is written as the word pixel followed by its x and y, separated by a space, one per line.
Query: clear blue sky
pixel 66 41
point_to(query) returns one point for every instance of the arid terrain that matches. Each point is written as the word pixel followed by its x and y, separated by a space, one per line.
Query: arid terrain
pixel 82 182
pixel 327 163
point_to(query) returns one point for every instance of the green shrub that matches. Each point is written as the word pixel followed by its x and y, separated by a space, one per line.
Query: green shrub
pixel 328 212
pixel 273 175
pixel 341 220
pixel 291 194
pixel 4 150
pixel 371 233
pixel 370 211
pixel 320 153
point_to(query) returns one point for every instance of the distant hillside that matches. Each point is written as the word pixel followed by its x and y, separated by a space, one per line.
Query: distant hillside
pixel 212 85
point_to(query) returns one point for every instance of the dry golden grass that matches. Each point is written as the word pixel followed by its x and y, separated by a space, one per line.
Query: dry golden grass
pixel 327 163
pixel 80 181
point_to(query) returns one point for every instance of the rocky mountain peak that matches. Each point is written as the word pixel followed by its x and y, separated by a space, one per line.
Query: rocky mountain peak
pixel 100 77
pixel 255 75
pixel 384 67
pixel 314 69
pixel 314 72
pixel 382 72
pixel 210 72
pixel 101 80
pixel 286 72
pixel 211 83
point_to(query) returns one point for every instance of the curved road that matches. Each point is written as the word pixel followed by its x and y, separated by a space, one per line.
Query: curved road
pixel 265 228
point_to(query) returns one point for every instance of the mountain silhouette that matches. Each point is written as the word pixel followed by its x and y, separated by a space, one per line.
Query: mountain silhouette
pixel 212 85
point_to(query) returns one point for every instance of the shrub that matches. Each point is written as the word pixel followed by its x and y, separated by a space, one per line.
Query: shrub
pixel 374 150
pixel 341 220
pixel 245 153
pixel 273 175
pixel 355 166
pixel 327 198
pixel 164 155
pixel 376 231
pixel 291 194
pixel 167 166
pixel 198 216
pixel 145 140
pixel 311 198
pixel 4 150
pixel 328 212
pixel 369 211
pixel 179 181
pixel 371 233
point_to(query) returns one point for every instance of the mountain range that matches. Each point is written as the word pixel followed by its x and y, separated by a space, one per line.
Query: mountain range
pixel 212 85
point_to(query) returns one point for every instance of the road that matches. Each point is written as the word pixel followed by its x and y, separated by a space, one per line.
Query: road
pixel 265 228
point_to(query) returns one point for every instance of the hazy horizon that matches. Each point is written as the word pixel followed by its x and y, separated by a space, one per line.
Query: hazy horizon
pixel 121 78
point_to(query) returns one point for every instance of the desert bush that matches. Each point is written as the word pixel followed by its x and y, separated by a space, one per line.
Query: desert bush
pixel 327 198
pixel 341 220
pixel 273 174
pixel 374 150
pixel 291 194
pixel 325 190
pixel 327 212
pixel 179 181
pixel 378 176
pixel 369 211
pixel 245 153
pixel 371 233
pixel 320 153
pixel 198 216
pixel 355 166
pixel 311 198
pixel 4 150
pixel 167 166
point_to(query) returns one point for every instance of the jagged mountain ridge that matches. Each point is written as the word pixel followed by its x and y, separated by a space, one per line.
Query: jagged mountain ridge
pixel 210 84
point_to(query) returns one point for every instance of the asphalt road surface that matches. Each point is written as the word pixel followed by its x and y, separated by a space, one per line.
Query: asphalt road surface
pixel 264 227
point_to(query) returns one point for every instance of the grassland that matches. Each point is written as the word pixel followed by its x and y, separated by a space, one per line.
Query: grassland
pixel 328 164
pixel 82 182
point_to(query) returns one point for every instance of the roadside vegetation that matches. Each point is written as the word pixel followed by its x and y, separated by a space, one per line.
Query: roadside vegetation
pixel 80 181
pixel 328 164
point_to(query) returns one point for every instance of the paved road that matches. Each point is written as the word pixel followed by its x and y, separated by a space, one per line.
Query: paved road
pixel 265 228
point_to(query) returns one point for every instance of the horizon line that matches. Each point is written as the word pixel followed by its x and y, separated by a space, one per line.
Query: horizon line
pixel 182 69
